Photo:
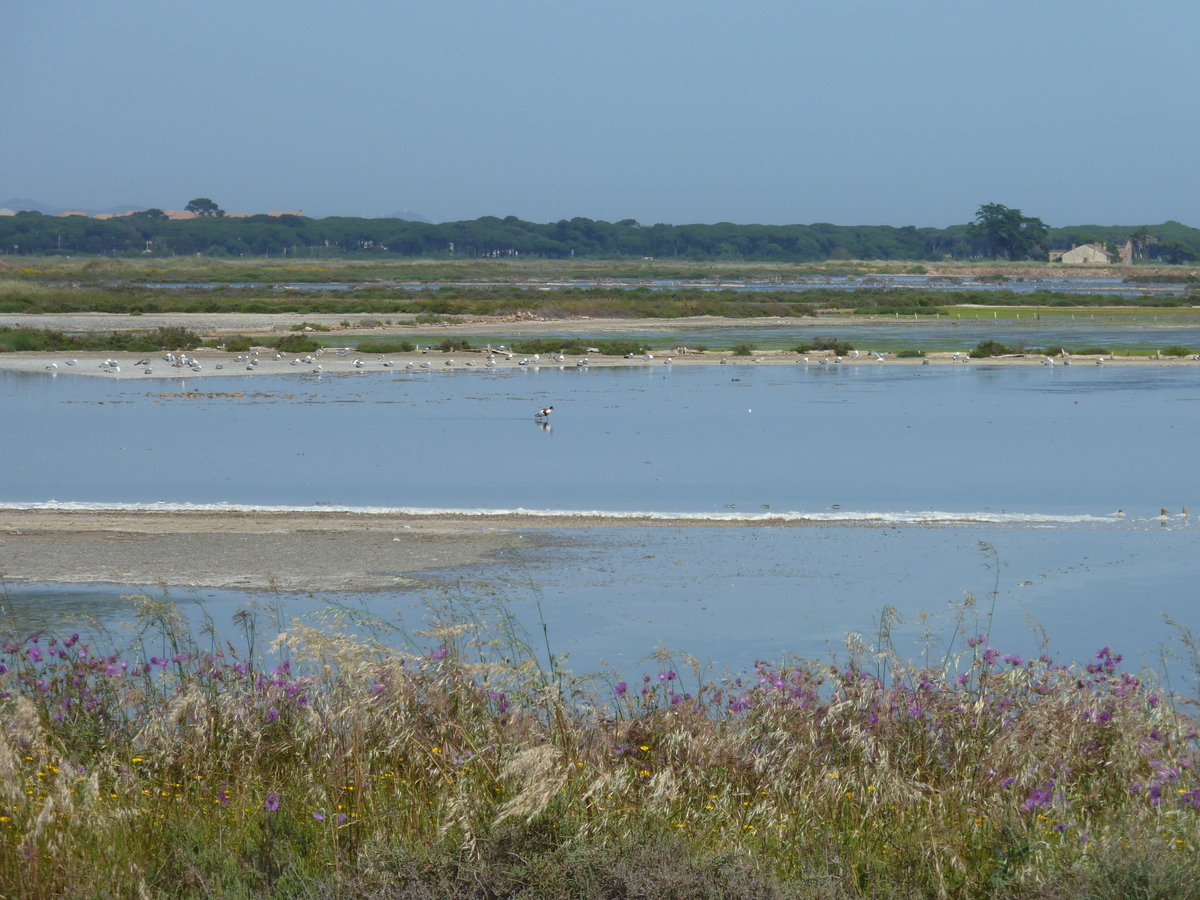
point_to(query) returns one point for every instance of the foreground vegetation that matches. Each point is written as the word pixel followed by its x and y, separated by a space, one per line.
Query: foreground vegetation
pixel 339 766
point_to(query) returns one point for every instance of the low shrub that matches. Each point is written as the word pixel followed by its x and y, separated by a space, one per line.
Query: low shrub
pixel 743 350
pixel 839 347
pixel 40 339
pixel 294 343
pixel 310 326
pixel 986 349
pixel 910 354
pixel 237 343
pixel 386 345
pixel 1175 350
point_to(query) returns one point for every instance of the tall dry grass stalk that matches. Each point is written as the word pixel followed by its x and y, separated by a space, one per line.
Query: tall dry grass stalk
pixel 132 774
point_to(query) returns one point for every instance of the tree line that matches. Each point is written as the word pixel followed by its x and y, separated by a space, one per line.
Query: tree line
pixel 996 233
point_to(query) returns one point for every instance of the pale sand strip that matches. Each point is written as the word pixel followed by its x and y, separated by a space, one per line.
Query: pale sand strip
pixel 293 551
pixel 472 361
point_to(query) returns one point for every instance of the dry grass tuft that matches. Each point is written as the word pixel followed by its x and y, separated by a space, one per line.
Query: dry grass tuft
pixel 324 758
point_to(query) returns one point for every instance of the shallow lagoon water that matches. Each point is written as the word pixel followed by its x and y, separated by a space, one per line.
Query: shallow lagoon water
pixel 729 596
pixel 1052 452
pixel 729 440
pixel 1066 284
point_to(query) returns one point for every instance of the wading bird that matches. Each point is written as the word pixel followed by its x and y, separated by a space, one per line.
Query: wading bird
pixel 543 413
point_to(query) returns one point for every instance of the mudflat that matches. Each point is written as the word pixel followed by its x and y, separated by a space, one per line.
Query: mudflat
pixel 287 550
pixel 252 551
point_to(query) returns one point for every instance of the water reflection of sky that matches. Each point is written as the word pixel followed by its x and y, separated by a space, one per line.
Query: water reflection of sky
pixel 732 595
pixel 963 439
pixel 1062 441
pixel 1115 286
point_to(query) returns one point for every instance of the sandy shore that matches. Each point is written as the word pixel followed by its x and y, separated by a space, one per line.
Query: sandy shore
pixel 216 362
pixel 291 551
pixel 249 551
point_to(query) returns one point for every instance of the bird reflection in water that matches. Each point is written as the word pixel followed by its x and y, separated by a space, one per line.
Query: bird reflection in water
pixel 544 426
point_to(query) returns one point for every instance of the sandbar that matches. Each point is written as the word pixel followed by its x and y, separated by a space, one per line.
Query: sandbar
pixel 288 551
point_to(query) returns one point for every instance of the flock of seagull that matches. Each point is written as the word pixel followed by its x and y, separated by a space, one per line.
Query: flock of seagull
pixel 493 359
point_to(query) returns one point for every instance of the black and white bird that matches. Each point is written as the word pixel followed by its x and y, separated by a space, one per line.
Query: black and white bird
pixel 543 413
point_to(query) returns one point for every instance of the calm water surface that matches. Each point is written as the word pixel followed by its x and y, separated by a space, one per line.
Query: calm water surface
pixel 729 596
pixel 1054 450
pixel 965 439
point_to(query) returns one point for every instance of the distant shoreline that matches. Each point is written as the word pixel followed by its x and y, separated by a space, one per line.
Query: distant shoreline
pixel 473 362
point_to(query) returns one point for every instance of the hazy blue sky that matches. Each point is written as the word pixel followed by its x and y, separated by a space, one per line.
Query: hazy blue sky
pixel 852 112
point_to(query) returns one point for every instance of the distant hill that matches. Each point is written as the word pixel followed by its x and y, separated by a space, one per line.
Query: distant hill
pixel 21 204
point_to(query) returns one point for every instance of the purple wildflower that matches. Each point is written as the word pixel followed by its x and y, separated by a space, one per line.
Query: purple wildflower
pixel 439 654
pixel 272 714
pixel 319 817
pixel 1039 797
pixel 621 689
pixel 340 819
pixel 271 802
pixel 1007 782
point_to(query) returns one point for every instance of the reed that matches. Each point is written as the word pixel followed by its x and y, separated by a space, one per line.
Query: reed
pixel 331 763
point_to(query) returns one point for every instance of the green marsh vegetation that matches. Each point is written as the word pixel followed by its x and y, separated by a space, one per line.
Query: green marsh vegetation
pixel 385 345
pixel 836 345
pixel 437 304
pixel 13 340
pixel 354 760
